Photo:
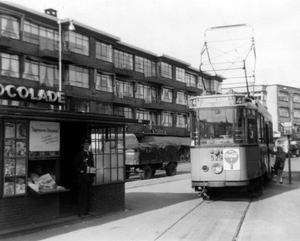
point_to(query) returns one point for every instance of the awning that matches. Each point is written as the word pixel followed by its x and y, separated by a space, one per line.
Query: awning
pixel 182 141
pixel 45 114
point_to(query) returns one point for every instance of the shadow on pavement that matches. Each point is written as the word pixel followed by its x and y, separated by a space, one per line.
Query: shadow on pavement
pixel 136 204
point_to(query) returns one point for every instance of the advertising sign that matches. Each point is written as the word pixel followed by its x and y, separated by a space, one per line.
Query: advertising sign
pixel 44 136
pixel 231 159
pixel 30 94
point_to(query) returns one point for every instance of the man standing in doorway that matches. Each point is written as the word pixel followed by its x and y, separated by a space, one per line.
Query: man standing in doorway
pixel 84 163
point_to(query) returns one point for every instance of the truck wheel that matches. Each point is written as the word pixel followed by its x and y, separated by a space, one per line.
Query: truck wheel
pixel 171 169
pixel 147 172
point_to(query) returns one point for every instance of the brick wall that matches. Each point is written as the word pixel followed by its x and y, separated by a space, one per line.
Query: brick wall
pixel 28 210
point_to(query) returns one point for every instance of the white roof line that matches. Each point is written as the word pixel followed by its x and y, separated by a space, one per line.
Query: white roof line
pixel 55 19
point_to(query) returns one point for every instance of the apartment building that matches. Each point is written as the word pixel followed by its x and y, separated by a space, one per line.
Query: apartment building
pixel 62 81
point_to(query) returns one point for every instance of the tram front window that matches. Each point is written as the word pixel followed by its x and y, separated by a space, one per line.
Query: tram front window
pixel 216 126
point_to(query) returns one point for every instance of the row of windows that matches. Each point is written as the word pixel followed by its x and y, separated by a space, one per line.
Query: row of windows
pixel 47 75
pixel 156 119
pixel 285 96
pixel 47 38
pixel 285 112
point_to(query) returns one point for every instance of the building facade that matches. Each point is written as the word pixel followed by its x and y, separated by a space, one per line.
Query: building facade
pixel 100 73
pixel 284 104
pixel 58 86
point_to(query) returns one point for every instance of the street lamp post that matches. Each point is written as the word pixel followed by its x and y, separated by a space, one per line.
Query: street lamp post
pixel 289 140
pixel 71 27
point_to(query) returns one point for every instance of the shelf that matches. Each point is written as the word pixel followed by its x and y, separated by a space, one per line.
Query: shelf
pixel 48 191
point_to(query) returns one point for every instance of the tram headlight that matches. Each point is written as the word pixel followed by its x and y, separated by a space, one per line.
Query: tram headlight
pixel 205 168
pixel 217 168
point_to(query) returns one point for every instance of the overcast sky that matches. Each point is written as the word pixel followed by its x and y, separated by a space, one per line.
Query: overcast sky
pixel 176 28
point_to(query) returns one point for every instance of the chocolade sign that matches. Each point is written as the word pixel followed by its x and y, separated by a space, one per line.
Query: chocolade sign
pixel 30 94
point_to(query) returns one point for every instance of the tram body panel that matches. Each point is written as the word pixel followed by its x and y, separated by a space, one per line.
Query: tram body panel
pixel 239 165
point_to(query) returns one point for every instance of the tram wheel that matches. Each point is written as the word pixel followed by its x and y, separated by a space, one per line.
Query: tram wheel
pixel 147 172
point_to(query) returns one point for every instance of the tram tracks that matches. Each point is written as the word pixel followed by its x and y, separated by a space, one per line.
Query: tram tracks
pixel 182 217
pixel 223 223
pixel 219 218
pixel 235 237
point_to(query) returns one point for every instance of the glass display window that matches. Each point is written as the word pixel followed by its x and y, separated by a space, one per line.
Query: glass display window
pixel 15 157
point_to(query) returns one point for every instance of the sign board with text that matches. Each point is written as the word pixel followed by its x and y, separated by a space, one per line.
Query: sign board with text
pixel 44 136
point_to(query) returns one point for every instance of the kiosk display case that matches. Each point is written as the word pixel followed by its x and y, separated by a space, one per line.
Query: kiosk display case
pixel 15 158
pixel 31 157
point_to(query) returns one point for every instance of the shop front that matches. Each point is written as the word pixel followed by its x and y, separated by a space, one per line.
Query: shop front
pixel 37 179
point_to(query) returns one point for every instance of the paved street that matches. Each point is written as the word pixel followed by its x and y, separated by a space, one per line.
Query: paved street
pixel 168 209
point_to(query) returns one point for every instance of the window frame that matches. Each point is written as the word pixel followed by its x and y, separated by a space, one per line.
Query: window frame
pixel 107 145
pixel 104 51
pixel 169 93
pixel 123 89
pixel 8 31
pixel 180 75
pixel 167 119
pixel 181 98
pixel 285 109
pixel 13 65
pixel 283 96
pixel 166 70
pixel 104 82
pixel 79 73
pixel 76 42
pixel 181 121
pixel 123 60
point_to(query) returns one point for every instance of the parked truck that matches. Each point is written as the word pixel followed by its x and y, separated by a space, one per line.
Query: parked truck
pixel 146 158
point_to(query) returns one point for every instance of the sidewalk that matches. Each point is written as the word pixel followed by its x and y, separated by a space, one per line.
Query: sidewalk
pixel 276 214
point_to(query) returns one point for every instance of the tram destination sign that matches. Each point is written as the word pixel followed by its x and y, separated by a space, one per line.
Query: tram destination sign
pixel 13 92
pixel 210 101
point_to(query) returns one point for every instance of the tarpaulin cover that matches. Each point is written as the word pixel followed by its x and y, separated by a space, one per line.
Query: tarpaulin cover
pixel 157 152
pixel 184 141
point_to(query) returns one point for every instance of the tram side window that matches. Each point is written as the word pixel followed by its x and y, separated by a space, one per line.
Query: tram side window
pixel 252 127
pixel 261 129
pixel 239 135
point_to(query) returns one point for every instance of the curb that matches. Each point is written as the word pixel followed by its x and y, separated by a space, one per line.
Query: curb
pixel 153 181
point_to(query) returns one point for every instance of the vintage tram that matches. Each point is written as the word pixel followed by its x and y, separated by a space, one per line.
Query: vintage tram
pixel 230 139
